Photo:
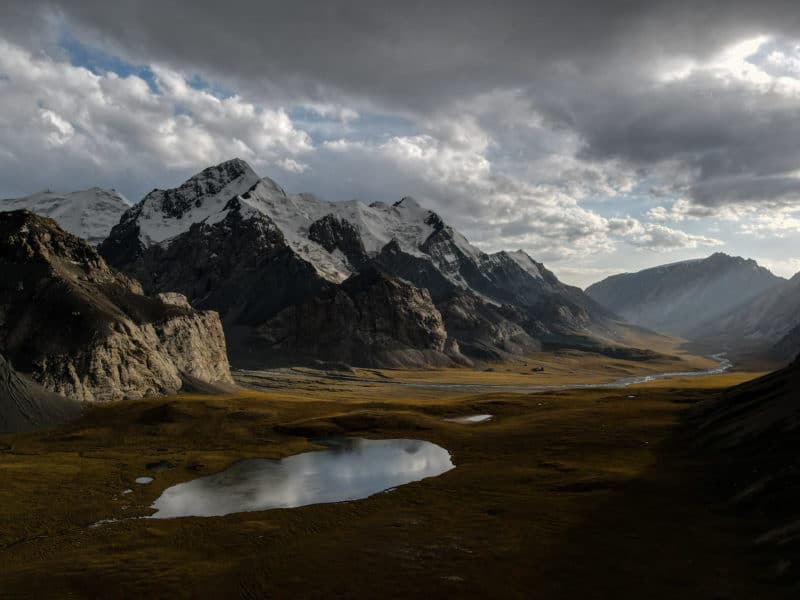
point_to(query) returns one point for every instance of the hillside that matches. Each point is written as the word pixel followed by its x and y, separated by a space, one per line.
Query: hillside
pixel 678 298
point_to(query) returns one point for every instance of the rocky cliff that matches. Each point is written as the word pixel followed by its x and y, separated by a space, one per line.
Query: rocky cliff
pixel 83 330
pixel 371 319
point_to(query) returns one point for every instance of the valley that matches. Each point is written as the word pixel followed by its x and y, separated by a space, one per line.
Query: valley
pixel 553 496
pixel 344 300
pixel 245 393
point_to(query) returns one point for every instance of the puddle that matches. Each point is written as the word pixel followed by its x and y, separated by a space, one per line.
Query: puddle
pixel 348 469
pixel 470 419
pixel 144 480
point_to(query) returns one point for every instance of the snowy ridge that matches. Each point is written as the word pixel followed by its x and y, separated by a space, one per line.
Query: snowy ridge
pixel 526 262
pixel 352 232
pixel 164 214
pixel 89 214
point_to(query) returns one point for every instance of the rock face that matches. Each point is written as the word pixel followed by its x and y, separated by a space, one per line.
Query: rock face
pixel 81 329
pixel 371 319
pixel 89 214
pixel 236 243
pixel 335 234
pixel 484 331
pixel 681 298
pixel 25 405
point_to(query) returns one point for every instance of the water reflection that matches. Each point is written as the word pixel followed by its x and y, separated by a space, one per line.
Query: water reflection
pixel 349 469
pixel 469 419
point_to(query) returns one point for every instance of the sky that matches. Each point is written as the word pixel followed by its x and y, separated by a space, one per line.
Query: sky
pixel 600 137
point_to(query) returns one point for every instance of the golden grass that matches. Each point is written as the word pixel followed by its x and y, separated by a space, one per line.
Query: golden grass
pixel 567 494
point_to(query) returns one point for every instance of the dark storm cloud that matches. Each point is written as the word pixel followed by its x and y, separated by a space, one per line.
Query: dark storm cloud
pixel 414 54
pixel 585 65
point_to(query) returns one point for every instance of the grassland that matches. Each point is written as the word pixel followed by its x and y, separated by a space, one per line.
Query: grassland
pixel 567 494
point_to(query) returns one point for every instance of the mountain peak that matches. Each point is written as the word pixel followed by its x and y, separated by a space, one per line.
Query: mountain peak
pixel 407 202
pixel 227 171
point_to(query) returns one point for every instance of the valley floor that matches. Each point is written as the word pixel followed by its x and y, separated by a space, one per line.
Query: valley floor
pixel 564 494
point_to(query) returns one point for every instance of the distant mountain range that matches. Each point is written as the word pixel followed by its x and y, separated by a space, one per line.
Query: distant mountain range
pixel 237 243
pixel 679 297
pixel 768 322
pixel 89 214
pixel 295 279
pixel 725 301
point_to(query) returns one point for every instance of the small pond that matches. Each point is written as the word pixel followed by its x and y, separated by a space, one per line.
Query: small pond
pixel 347 469
pixel 470 419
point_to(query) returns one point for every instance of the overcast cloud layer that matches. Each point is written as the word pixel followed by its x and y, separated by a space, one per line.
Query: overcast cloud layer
pixel 598 136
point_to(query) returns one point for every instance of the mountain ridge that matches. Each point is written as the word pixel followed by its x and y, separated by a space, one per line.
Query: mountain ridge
pixel 337 240
pixel 680 297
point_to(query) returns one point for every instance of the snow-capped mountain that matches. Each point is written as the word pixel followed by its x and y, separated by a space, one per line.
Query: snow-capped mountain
pixel 89 214
pixel 238 243
pixel 164 214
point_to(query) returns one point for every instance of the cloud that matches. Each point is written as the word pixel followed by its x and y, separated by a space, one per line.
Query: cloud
pixel 662 238
pixel 55 119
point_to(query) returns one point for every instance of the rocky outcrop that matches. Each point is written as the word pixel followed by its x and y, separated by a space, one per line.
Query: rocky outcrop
pixel 83 330
pixel 372 319
pixel 25 405
pixel 483 331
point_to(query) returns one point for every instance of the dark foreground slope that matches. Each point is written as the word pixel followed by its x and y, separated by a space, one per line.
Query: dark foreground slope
pixel 25 405
pixel 751 434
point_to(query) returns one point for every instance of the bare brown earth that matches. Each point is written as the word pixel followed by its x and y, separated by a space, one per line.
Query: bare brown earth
pixel 568 494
